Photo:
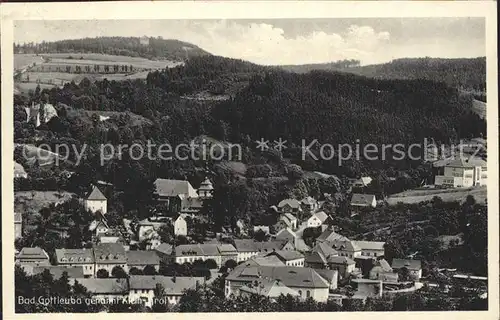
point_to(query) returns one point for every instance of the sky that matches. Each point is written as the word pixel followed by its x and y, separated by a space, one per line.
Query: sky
pixel 288 41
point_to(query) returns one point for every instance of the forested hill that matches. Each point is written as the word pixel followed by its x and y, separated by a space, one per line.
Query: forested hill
pixel 150 48
pixel 466 74
pixel 335 108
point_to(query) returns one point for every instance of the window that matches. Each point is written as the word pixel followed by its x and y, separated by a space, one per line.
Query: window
pixel 308 293
pixel 374 254
pixel 300 293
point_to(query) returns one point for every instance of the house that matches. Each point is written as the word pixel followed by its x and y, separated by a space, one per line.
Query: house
pixel 206 189
pixel 414 267
pixel 271 289
pixel 289 220
pixel 83 258
pixel 172 192
pixel 306 281
pixel 363 200
pixel 268 260
pixel 164 252
pixel 346 248
pixel 141 258
pixel 317 219
pixel 110 236
pixel 57 271
pixel 344 265
pixel 192 252
pixel 289 206
pixel 109 255
pixel 227 252
pixel 18 225
pixel 96 201
pixel 329 235
pixel 191 206
pixel 142 288
pixel 246 249
pixel 289 258
pixel 286 234
pixel 319 255
pixel 107 290
pixel 147 229
pixel 362 182
pixel 19 171
pixel 99 227
pixel 371 248
pixel 309 204
pixel 275 245
pixel 383 271
pixel 180 226
pixel 32 257
pixel 461 172
pixel 331 276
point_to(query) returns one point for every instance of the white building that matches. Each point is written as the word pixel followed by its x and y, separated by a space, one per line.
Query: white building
pixel 206 189
pixel 142 288
pixel 96 201
pixel 180 226
pixel 77 258
pixel 460 172
pixel 317 219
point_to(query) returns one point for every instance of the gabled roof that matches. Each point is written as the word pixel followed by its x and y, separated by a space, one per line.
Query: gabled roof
pixel 103 286
pixel 324 249
pixel 384 265
pixel 18 168
pixel 197 250
pixel 284 233
pixel 245 245
pixel 321 215
pixel 330 235
pixel 345 245
pixel 287 255
pixel 340 260
pixel 315 257
pixel 272 261
pixel 463 162
pixel 293 203
pixel 409 264
pixel 110 253
pixel 292 277
pixel 57 271
pixel 370 245
pixel 268 288
pixel 172 286
pixel 164 248
pixel 32 253
pixel 300 245
pixel 96 194
pixel 309 201
pixel 206 185
pixel 174 188
pixel 362 199
pixel 75 256
pixel 271 245
pixel 142 257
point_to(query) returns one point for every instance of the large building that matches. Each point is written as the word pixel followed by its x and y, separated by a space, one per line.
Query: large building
pixel 32 257
pixel 307 282
pixel 77 258
pixel 461 173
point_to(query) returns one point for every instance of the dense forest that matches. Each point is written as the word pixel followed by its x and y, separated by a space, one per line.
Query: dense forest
pixel 262 102
pixel 466 74
pixel 157 48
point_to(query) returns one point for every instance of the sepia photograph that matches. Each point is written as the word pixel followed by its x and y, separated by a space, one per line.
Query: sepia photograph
pixel 251 165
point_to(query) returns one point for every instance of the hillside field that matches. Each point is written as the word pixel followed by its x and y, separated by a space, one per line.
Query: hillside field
pixel 23 60
pixel 34 201
pixel 447 195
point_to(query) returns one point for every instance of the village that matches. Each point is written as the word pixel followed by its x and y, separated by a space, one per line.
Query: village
pixel 126 261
